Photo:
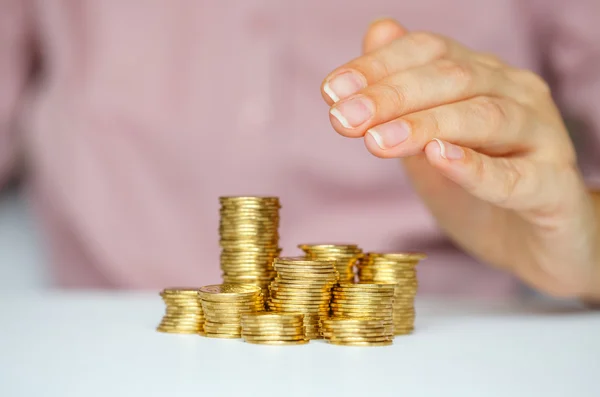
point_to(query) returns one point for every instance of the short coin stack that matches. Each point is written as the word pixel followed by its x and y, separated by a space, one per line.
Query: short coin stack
pixel 359 331
pixel 224 305
pixel 363 300
pixel 249 239
pixel 183 313
pixel 400 269
pixel 273 329
pixel 303 286
pixel 344 255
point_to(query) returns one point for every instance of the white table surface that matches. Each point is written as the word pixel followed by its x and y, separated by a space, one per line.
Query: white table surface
pixel 105 344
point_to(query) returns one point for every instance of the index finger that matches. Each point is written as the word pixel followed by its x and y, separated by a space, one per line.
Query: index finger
pixel 409 51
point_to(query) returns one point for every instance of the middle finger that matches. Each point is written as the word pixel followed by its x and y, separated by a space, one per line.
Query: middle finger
pixel 438 83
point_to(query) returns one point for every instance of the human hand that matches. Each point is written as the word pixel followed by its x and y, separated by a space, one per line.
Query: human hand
pixel 484 146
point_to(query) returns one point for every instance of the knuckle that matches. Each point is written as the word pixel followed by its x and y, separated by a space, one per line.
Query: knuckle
pixel 460 73
pixel 490 111
pixel 533 82
pixel 490 60
pixel 513 177
pixel 377 65
pixel 373 66
pixel 425 126
pixel 537 82
pixel 479 174
pixel 393 95
pixel 437 45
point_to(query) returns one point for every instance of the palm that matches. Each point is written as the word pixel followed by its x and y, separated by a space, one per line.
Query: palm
pixel 502 237
pixel 469 221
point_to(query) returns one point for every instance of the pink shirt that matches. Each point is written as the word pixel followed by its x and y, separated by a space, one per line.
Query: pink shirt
pixel 144 112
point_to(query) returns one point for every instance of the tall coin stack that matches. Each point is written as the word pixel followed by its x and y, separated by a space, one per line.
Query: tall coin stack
pixel 303 286
pixel 249 239
pixel 224 305
pixel 273 329
pixel 344 255
pixel 183 313
pixel 400 269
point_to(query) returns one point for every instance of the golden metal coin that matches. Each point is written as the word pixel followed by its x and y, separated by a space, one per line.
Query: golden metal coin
pixel 362 344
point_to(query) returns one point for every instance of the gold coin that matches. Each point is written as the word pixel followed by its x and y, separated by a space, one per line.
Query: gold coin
pixel 351 339
pixel 397 256
pixel 273 326
pixel 328 246
pixel 274 337
pixel 299 287
pixel 222 330
pixel 343 320
pixel 372 337
pixel 182 330
pixel 367 286
pixel 362 344
pixel 299 272
pixel 273 317
pixel 279 343
pixel 300 292
pixel 180 291
pixel 229 290
pixel 222 336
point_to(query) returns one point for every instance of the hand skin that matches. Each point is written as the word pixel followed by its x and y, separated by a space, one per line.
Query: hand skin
pixel 484 146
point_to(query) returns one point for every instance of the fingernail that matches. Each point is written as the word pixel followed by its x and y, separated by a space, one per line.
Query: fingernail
pixel 354 112
pixel 449 151
pixel 343 85
pixel 390 134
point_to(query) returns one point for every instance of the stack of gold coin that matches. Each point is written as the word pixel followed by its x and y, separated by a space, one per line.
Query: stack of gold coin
pixel 363 300
pixel 224 304
pixel 358 331
pixel 249 239
pixel 183 313
pixel 400 269
pixel 273 328
pixel 303 286
pixel 344 255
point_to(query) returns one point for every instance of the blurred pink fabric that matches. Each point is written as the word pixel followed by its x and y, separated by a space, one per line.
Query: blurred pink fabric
pixel 142 113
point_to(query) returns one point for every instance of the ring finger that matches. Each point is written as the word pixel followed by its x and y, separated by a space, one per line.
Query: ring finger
pixel 490 125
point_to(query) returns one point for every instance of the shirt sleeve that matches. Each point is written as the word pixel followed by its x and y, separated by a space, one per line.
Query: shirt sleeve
pixel 569 37
pixel 14 71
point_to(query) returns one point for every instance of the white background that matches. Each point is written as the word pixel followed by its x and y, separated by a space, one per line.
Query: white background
pixel 21 260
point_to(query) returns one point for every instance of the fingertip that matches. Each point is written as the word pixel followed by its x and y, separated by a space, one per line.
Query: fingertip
pixel 341 126
pixel 381 32
pixel 376 150
pixel 443 156
pixel 433 151
pixel 326 93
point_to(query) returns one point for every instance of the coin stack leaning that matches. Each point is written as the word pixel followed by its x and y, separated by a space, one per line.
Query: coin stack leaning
pixel 249 239
pixel 400 269
pixel 224 304
pixel 183 313
pixel 344 255
pixel 358 331
pixel 273 328
pixel 303 286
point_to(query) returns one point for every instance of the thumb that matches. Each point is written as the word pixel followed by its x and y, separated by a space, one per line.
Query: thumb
pixel 382 32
